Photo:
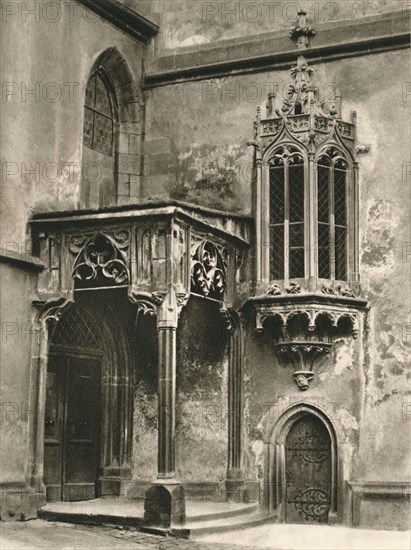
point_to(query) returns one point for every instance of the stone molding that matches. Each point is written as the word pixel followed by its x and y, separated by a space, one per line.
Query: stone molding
pixel 124 18
pixel 269 51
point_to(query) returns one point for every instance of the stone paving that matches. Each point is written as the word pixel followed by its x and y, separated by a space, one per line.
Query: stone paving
pixel 39 534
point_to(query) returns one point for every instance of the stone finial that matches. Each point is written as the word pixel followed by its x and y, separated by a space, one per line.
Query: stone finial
pixel 302 32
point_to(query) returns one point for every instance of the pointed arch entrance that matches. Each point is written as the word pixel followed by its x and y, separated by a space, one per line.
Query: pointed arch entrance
pixel 88 410
pixel 308 471
pixel 304 479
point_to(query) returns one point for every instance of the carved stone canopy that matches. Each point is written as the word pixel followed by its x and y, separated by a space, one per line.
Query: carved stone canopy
pixel 300 110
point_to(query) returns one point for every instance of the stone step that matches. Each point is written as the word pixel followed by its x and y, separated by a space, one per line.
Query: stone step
pixel 202 518
pixel 233 523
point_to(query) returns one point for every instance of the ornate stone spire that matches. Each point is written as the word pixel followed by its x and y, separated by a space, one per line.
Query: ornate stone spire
pixel 302 32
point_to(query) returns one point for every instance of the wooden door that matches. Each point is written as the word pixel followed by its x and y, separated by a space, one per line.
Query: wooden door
pixel 308 472
pixel 72 427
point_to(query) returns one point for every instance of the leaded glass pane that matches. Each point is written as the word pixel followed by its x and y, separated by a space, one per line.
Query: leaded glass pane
pixel 102 104
pixel 339 197
pixel 277 194
pixel 90 99
pixel 323 194
pixel 324 251
pixel 341 253
pixel 296 191
pixel 277 252
pixel 296 262
pixel 88 127
pixel 98 131
pixel 297 235
pixel 75 328
pixel 103 135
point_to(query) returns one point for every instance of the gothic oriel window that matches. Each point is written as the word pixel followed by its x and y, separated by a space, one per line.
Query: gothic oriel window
pixel 287 214
pixel 332 215
pixel 306 190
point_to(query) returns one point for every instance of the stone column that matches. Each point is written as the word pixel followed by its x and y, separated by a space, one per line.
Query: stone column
pixel 165 500
pixel 235 477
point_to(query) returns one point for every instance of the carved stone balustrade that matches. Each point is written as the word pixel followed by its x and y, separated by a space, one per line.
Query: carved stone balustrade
pixel 148 248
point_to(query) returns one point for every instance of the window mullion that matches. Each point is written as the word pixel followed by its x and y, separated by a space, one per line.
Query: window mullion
pixel 286 222
pixel 332 221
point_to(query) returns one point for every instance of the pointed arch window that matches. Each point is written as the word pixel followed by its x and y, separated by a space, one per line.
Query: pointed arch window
pixel 99 116
pixel 287 235
pixel 332 175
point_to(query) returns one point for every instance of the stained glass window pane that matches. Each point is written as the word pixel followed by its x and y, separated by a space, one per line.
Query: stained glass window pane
pixel 277 194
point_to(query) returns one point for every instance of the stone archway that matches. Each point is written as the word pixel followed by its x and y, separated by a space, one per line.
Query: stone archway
pixel 308 471
pixel 89 360
pixel 304 431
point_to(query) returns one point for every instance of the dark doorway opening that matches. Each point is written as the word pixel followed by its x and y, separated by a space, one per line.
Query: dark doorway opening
pixel 72 427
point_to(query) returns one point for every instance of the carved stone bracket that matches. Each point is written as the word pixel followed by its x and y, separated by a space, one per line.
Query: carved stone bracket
pixel 51 310
pixel 303 329
pixel 146 302
pixel 227 318
pixel 304 357
pixel 311 312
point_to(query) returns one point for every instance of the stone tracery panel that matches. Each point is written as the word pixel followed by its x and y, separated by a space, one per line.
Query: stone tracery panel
pixel 208 271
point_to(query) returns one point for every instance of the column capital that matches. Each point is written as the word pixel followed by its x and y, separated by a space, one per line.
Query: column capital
pixel 170 309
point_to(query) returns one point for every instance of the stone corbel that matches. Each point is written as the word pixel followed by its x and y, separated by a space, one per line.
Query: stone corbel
pixel 304 358
pixel 50 311
pixel 146 302
pixel 227 318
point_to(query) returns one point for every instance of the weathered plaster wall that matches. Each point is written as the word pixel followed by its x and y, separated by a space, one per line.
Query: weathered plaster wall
pixel 43 131
pixel 190 22
pixel 145 401
pixel 201 430
pixel 17 348
pixel 270 389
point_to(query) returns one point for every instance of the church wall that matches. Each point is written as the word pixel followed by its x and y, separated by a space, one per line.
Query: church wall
pixel 189 22
pixel 201 431
pixel 19 341
pixel 44 129
pixel 196 151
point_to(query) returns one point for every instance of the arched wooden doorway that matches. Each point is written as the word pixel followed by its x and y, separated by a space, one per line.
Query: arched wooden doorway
pixel 73 409
pixel 308 463
pixel 88 410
